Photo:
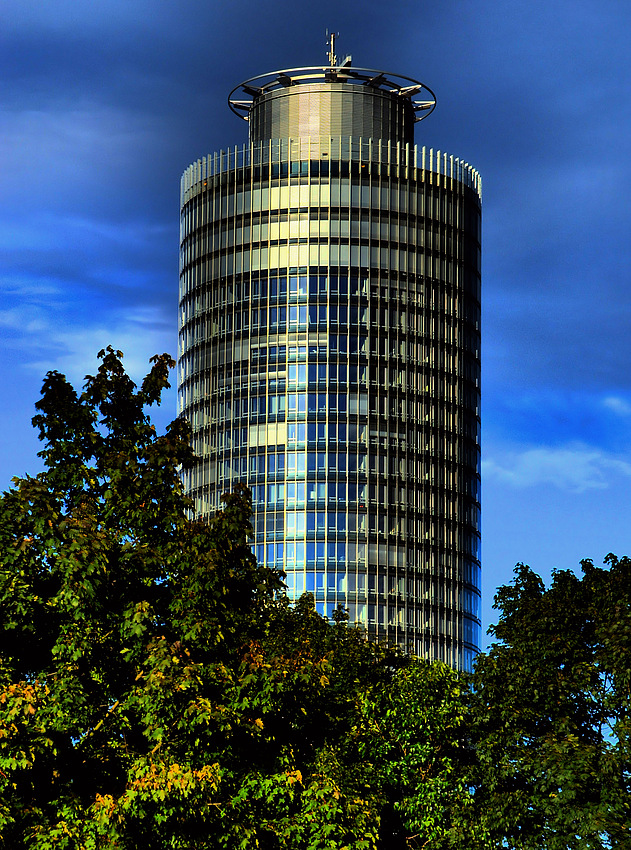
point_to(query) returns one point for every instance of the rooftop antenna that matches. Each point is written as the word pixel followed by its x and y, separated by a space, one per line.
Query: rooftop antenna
pixel 330 43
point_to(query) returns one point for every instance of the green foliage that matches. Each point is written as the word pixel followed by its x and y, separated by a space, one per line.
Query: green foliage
pixel 414 734
pixel 156 688
pixel 159 692
pixel 552 703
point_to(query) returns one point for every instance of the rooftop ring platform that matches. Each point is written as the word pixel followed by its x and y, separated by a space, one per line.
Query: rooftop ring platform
pixel 394 84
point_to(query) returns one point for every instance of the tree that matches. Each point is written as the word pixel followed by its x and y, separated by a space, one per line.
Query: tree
pixel 551 704
pixel 157 690
pixel 104 580
pixel 415 733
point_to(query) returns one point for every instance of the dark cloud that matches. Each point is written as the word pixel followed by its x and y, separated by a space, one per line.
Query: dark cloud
pixel 105 103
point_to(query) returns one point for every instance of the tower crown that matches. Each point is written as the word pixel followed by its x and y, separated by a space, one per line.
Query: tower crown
pixel 332 101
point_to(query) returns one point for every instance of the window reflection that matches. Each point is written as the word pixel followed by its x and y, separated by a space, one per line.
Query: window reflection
pixel 296 374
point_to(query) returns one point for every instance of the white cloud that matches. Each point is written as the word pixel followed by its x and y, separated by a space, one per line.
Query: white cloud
pixel 46 333
pixel 139 334
pixel 21 321
pixel 574 468
pixel 617 405
pixel 33 289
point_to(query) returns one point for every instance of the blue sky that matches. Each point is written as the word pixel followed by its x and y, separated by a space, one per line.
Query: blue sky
pixel 104 104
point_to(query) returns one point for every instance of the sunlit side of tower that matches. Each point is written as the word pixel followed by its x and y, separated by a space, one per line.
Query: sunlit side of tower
pixel 329 350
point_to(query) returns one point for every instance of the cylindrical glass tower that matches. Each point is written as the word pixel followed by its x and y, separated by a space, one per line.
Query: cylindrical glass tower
pixel 330 351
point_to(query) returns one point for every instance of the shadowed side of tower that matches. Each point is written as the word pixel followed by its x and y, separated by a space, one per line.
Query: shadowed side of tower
pixel 329 350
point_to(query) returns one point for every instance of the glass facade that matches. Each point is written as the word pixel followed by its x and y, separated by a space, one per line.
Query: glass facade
pixel 329 358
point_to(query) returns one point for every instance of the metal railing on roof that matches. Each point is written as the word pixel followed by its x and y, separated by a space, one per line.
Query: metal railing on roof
pixel 399 157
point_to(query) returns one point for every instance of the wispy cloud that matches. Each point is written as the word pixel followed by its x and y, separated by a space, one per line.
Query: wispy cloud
pixel 139 334
pixel 617 405
pixel 574 468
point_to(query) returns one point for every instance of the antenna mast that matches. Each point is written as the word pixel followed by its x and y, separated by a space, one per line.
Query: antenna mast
pixel 330 42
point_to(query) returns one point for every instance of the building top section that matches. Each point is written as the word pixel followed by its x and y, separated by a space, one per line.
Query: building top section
pixel 333 101
pixel 295 161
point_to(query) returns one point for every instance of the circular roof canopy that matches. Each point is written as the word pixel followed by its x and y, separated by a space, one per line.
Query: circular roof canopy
pixel 242 97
